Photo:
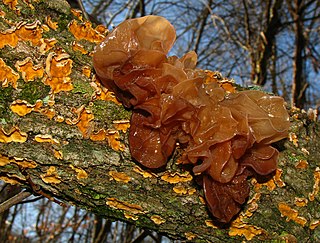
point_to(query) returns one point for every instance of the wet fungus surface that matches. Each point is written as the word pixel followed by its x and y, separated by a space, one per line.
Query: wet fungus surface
pixel 225 135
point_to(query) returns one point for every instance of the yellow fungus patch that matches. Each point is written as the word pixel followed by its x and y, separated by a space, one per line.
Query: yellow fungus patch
pixel 248 231
pixel 291 214
pixel 316 184
pixel 119 176
pixel 98 136
pixel 130 216
pixel 314 224
pixel 58 69
pixel 22 107
pixel 14 135
pixel 122 125
pixel 130 208
pixel 46 138
pixel 47 44
pixel 86 71
pixel 302 164
pixel 81 173
pixel 176 177
pixel 144 173
pixel 202 200
pixel 102 93
pixel 51 176
pixel 210 224
pixel 190 235
pixel 181 190
pixel 59 118
pixel 85 31
pixel 277 178
pixel 9 180
pixel 22 31
pixel 85 123
pixel 294 139
pixel 11 4
pixel 18 161
pixel 157 219
pixel 57 154
pixel 113 138
pixel 28 71
pixel 7 75
pixel 77 13
pixel 53 25
pixel 300 202
pixel 77 47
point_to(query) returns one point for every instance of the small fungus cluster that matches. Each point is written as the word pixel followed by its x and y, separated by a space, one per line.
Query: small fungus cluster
pixel 226 134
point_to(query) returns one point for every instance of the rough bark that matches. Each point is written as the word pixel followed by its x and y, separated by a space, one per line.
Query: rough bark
pixel 63 136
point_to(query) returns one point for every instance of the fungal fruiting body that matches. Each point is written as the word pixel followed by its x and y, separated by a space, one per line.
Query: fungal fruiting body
pixel 226 135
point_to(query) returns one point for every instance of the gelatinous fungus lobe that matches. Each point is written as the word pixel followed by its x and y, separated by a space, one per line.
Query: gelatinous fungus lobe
pixel 226 134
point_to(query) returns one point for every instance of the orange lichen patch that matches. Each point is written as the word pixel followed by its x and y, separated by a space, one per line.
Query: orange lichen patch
pixel 50 113
pixel 302 164
pixel 22 107
pixel 77 47
pixel 81 173
pixel 157 219
pixel 4 160
pixel 210 224
pixel 277 178
pixel 53 25
pixel 57 154
pixel 121 125
pixel 85 123
pixel 316 184
pixel 313 224
pixel 176 177
pixel 130 216
pixel 51 176
pixel 29 32
pixel 58 69
pixel 7 75
pixel 14 135
pixel 300 202
pixel 202 200
pixel 291 214
pixel 293 138
pixel 130 208
pixel 190 235
pixel 144 173
pixel 181 190
pixel 119 176
pixel 46 138
pixel 248 231
pixel 85 31
pixel 270 184
pixel 28 71
pixel 47 44
pixel 77 13
pixel 9 38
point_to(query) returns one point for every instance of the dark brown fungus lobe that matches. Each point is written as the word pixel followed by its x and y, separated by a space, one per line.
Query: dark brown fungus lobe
pixel 226 135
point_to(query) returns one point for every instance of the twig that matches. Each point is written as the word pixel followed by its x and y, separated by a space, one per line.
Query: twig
pixel 13 200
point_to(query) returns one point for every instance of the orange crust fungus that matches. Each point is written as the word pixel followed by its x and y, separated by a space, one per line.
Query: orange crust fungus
pixel 84 31
pixel 13 135
pixel 28 71
pixel 226 134
pixel 128 207
pixel 291 214
pixel 51 176
pixel 119 176
pixel 8 75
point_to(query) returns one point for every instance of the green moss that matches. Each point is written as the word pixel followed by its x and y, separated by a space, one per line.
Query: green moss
pixel 108 109
pixel 33 91
pixel 5 101
pixel 79 86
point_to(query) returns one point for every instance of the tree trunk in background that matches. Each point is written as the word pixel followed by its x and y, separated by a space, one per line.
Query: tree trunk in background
pixel 62 135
